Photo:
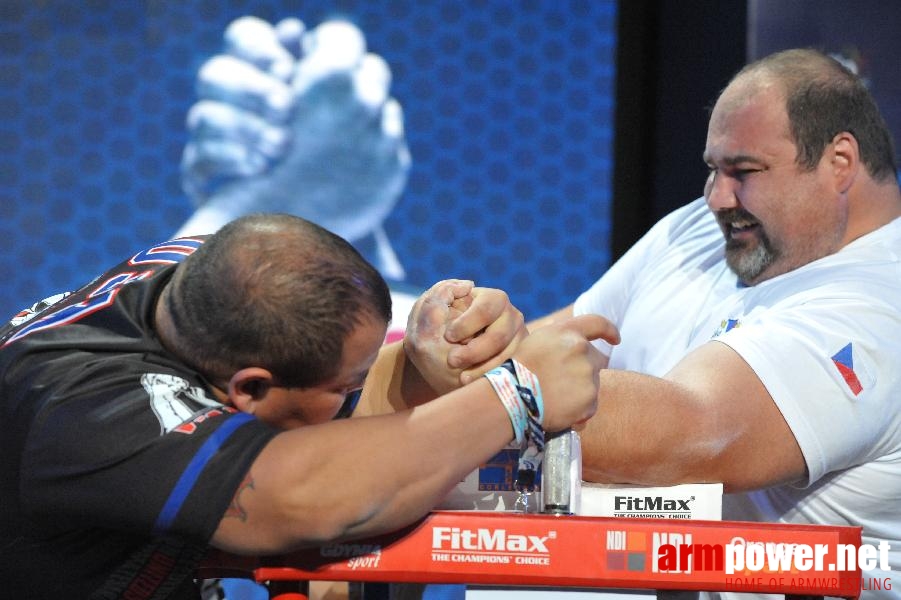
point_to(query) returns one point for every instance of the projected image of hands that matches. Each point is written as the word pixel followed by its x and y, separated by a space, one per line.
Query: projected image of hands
pixel 297 120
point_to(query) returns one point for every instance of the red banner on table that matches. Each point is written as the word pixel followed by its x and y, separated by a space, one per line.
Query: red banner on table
pixel 510 550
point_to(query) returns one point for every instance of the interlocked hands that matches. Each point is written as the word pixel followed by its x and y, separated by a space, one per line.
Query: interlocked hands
pixel 298 121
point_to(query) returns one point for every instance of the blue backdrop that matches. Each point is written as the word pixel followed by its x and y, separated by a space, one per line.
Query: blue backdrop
pixel 508 109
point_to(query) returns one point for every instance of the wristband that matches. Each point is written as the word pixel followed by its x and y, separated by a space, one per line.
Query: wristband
pixel 529 391
pixel 530 394
pixel 504 384
pixel 532 451
pixel 520 393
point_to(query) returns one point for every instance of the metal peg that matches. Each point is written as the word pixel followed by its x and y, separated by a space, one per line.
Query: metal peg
pixel 561 477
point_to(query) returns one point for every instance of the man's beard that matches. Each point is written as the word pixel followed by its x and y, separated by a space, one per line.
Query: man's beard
pixel 748 260
pixel 749 263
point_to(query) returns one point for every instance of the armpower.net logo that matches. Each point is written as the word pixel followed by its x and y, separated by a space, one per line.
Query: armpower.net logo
pixel 747 562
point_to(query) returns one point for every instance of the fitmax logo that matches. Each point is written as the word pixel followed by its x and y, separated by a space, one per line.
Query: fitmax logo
pixel 487 540
pixel 651 503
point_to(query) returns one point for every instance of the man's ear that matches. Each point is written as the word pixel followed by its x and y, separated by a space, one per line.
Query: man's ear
pixel 845 160
pixel 248 387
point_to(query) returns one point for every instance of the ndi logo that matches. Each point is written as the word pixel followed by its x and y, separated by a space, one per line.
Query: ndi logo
pixel 626 550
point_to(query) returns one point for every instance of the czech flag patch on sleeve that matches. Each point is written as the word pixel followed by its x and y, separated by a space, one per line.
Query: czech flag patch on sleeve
pixel 844 362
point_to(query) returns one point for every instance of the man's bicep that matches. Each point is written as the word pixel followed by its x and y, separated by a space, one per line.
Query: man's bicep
pixel 262 517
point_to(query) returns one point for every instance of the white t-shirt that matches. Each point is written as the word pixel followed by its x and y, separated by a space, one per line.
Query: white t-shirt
pixel 825 340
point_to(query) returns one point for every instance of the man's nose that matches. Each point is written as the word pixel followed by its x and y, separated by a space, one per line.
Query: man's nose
pixel 720 191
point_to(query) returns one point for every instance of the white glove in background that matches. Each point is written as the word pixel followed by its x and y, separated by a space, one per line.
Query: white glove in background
pixel 297 121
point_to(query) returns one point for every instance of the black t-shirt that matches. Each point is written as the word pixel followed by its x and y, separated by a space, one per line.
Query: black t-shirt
pixel 116 461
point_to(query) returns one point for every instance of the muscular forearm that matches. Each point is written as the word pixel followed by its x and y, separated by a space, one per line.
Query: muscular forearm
pixel 363 477
pixel 647 431
pixel 690 426
pixel 393 384
pixel 359 477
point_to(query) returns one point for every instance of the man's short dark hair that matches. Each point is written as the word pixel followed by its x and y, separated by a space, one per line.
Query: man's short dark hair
pixel 824 98
pixel 274 291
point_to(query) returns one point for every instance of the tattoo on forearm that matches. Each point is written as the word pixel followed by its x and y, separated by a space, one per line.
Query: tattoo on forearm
pixel 235 510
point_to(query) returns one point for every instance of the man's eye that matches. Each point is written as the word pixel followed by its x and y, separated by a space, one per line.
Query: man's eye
pixel 350 389
pixel 741 174
pixel 349 404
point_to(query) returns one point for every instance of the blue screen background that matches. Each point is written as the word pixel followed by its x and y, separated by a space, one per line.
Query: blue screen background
pixel 508 110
